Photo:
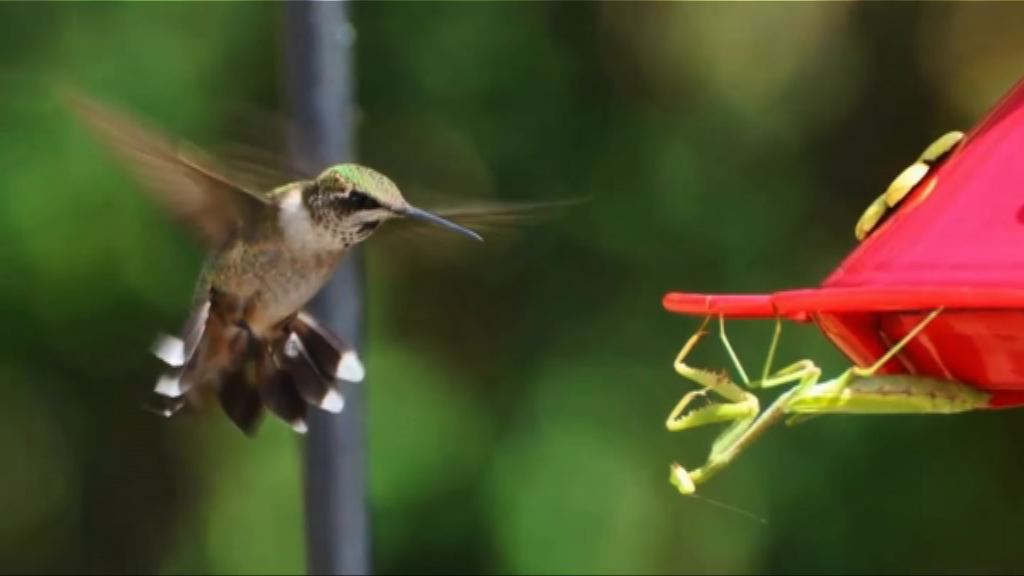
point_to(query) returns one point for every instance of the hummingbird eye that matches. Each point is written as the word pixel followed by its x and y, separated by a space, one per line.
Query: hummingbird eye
pixel 357 200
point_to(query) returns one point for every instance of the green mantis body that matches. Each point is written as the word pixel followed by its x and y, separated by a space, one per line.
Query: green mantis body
pixel 855 391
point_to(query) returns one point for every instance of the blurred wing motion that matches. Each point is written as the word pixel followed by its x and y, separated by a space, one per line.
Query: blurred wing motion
pixel 178 176
pixel 498 216
pixel 258 151
pixel 410 244
pixel 494 220
pixel 258 154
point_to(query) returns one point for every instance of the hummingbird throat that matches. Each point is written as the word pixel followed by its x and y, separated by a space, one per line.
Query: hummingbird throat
pixel 299 228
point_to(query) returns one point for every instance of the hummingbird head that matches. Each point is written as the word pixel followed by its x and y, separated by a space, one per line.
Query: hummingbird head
pixel 352 201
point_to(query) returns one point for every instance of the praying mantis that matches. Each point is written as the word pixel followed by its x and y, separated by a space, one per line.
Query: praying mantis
pixel 855 391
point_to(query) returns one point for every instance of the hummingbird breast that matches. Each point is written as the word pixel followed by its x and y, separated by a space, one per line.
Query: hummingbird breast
pixel 270 280
pixel 274 268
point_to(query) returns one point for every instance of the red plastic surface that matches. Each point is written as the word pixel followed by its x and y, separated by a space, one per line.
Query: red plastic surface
pixel 800 305
pixel 981 347
pixel 968 231
pixel 957 241
pixel 731 305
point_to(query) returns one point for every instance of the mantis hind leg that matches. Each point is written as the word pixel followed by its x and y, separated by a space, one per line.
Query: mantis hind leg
pixel 854 373
pixel 897 348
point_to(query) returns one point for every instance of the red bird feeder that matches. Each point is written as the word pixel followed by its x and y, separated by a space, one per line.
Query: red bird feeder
pixel 931 302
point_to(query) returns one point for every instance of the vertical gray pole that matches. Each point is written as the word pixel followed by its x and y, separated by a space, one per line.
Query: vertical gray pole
pixel 319 79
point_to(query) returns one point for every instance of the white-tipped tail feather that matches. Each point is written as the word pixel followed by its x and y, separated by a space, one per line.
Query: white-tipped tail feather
pixel 333 357
pixel 284 377
pixel 333 401
pixel 170 349
pixel 310 383
pixel 169 385
pixel 350 368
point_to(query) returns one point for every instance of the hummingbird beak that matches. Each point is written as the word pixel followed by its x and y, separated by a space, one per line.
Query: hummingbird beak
pixel 418 214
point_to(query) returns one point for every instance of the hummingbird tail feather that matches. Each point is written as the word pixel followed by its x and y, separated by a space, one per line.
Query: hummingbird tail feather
pixel 239 399
pixel 179 353
pixel 170 384
pixel 282 398
pixel 310 384
pixel 166 407
pixel 249 376
pixel 334 358
pixel 170 349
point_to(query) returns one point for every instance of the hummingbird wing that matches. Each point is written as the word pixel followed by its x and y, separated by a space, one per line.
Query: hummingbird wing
pixel 179 176
pixel 413 244
pixel 258 154
pixel 498 216
pixel 496 221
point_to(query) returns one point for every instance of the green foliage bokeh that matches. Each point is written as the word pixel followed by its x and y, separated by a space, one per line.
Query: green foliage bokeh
pixel 517 390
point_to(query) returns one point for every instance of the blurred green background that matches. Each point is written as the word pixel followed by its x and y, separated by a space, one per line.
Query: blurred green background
pixel 518 389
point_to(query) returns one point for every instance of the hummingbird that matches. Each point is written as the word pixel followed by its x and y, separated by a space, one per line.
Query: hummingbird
pixel 247 340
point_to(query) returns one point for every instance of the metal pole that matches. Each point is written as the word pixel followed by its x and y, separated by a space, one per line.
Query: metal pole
pixel 318 76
